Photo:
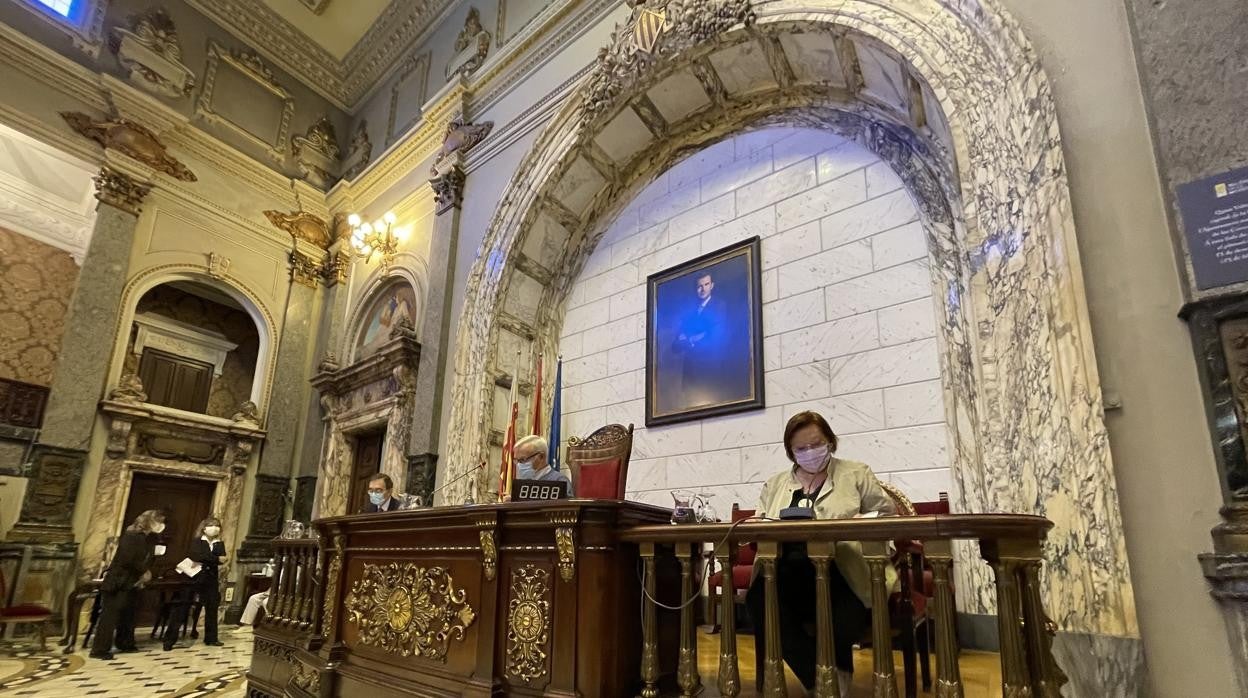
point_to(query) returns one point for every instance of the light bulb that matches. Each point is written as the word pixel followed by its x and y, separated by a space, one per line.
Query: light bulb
pixel 367 229
pixel 353 220
pixel 390 217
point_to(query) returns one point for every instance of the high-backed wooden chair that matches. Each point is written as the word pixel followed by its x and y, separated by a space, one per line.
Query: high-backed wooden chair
pixel 34 614
pixel 600 462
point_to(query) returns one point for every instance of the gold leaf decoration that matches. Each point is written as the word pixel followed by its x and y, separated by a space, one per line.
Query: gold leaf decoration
pixel 409 610
pixel 528 623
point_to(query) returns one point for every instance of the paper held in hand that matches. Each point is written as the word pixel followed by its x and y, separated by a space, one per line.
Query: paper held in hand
pixel 189 567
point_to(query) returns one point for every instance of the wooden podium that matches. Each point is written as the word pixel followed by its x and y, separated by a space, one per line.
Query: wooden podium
pixel 525 599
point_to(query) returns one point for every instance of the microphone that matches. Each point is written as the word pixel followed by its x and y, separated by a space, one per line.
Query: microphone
pixel 457 478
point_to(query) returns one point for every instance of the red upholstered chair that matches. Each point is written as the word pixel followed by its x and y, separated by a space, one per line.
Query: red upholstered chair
pixel 740 575
pixel 31 613
pixel 908 607
pixel 600 462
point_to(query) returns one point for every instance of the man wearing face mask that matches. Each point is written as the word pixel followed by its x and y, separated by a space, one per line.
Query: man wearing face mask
pixel 381 495
pixel 128 571
pixel 530 456
pixel 832 488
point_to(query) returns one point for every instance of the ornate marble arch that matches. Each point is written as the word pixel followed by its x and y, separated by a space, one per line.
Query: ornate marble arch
pixel 953 97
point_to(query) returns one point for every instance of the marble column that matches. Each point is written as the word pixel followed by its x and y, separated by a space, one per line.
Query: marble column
pixel 435 328
pixel 287 404
pixel 82 368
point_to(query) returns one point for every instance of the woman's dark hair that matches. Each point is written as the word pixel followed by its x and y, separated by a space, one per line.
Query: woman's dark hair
pixel 385 480
pixel 805 419
pixel 144 522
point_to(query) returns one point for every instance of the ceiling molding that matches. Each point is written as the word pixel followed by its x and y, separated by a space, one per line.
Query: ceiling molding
pixel 343 82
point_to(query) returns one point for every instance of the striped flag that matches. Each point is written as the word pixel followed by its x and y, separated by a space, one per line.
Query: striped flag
pixel 556 407
pixel 537 398
pixel 507 468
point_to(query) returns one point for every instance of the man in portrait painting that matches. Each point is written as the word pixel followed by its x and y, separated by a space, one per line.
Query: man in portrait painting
pixel 701 343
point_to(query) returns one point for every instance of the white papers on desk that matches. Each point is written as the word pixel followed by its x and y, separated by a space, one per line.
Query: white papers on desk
pixel 189 567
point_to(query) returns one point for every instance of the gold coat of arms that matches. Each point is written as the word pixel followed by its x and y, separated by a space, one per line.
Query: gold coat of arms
pixel 648 28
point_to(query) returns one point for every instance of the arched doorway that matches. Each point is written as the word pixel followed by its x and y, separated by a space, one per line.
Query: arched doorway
pixel 954 100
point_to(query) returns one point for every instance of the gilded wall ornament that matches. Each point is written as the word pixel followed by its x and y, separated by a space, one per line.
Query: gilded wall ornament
pixel 471 47
pixel 337 269
pixel 645 40
pixel 489 554
pixel 331 588
pixel 409 610
pixel 565 543
pixel 120 190
pixel 302 226
pixel 151 53
pixel 448 190
pixel 528 623
pixel 131 139
pixel 218 265
pixel 304 270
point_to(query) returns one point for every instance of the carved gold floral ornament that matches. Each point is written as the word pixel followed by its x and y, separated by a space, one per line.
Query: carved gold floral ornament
pixel 528 623
pixel 409 610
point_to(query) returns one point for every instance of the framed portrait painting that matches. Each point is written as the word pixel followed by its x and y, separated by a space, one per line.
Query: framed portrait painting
pixel 704 336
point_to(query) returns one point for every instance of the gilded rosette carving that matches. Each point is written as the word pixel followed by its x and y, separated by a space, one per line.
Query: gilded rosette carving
pixel 489 554
pixel 565 543
pixel 409 610
pixel 528 623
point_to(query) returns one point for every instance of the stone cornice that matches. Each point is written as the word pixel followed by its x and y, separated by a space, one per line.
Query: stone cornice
pixel 401 26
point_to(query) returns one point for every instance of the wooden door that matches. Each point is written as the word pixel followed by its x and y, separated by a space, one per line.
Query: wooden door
pixel 185 502
pixel 175 381
pixel 364 467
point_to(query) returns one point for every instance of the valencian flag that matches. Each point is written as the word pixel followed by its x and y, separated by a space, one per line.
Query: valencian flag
pixel 507 468
pixel 556 407
pixel 537 398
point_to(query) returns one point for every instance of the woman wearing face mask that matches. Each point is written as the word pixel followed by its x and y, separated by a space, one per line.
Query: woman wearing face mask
pixel 127 573
pixel 834 489
pixel 208 551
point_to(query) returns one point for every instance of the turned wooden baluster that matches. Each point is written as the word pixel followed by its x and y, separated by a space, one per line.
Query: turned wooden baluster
pixel 1006 565
pixel 687 677
pixel 1047 678
pixel 773 662
pixel 305 585
pixel 649 627
pixel 729 673
pixel 279 597
pixel 948 675
pixel 827 685
pixel 884 681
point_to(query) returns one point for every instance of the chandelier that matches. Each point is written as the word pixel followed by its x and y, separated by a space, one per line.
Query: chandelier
pixel 380 236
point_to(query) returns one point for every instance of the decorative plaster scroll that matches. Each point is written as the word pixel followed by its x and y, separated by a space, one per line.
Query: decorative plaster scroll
pixel 181 339
pixel 131 139
pixel 460 137
pixel 120 190
pixel 248 65
pixel 302 226
pixel 152 54
pixel 316 152
pixel 360 154
pixel 218 265
pixel 471 47
pixel 316 6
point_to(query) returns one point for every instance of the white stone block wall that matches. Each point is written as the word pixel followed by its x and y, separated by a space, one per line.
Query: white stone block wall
pixel 848 319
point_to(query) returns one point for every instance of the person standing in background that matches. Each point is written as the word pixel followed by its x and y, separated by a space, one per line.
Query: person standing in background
pixel 207 551
pixel 129 571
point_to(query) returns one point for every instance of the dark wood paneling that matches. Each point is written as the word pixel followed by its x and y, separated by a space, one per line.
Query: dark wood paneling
pixel 22 404
pixel 365 465
pixel 185 502
pixel 175 381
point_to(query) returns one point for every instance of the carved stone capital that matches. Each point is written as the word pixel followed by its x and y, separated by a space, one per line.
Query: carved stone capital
pixel 304 270
pixel 448 189
pixel 337 269
pixel 120 190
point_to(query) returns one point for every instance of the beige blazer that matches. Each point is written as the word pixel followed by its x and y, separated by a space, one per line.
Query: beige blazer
pixel 851 488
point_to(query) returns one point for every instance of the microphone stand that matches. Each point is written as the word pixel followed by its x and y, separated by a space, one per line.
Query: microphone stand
pixel 457 478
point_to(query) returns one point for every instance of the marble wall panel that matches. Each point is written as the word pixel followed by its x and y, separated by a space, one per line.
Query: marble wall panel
pixel 814 59
pixel 880 289
pixel 678 96
pixel 791 245
pixel 889 366
pixel 820 270
pixel 777 186
pixel 703 217
pixel 761 223
pixel 847 335
pixel 857 222
pixel 903 244
pixel 743 68
pixel 907 322
pixel 624 136
pixel 836 195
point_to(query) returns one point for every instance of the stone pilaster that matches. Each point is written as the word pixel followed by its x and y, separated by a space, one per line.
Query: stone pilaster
pixel 81 368
pixel 335 274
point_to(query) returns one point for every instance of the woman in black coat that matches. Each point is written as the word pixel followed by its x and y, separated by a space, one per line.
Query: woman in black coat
pixel 207 551
pixel 128 572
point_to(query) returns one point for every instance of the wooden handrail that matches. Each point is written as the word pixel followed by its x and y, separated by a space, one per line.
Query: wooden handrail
pixel 884 528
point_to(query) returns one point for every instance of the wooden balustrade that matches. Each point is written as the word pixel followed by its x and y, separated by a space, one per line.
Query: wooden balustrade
pixel 1010 544
pixel 294 597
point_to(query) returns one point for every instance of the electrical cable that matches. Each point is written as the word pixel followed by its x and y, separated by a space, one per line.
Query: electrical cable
pixel 641 574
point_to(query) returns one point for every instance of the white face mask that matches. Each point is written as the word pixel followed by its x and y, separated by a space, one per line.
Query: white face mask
pixel 812 459
pixel 212 531
pixel 158 528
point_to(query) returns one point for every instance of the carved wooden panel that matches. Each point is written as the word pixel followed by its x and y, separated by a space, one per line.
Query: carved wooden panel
pixel 22 404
